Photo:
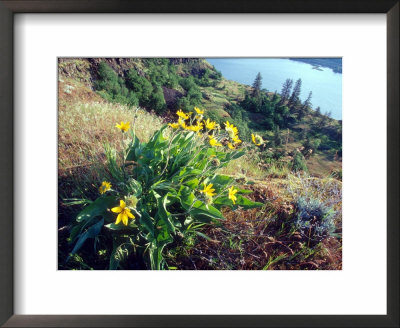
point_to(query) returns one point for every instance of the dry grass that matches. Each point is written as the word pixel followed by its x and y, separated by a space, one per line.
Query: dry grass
pixel 246 167
pixel 85 128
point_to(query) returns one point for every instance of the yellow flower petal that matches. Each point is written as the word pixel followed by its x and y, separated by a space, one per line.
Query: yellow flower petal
pixel 119 218
pixel 174 125
pixel 123 126
pixel 129 214
pixel 122 204
pixel 198 110
pixel 124 218
pixel 116 209
pixel 182 114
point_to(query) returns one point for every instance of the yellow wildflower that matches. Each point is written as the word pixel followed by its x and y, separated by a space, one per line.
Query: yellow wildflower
pixel 124 126
pixel 196 128
pixel 214 142
pixel 230 146
pixel 236 140
pixel 257 140
pixel 182 114
pixel 208 190
pixel 232 192
pixel 124 213
pixel 182 123
pixel 199 111
pixel 231 129
pixel 105 186
pixel 174 125
pixel 209 124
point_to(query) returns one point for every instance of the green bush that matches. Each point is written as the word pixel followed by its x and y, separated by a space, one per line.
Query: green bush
pixel 157 101
pixel 140 86
pixel 299 162
pixel 311 144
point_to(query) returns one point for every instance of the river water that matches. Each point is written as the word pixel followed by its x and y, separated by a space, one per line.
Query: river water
pixel 326 86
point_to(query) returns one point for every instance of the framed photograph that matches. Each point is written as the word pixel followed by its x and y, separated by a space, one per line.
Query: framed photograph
pixel 217 165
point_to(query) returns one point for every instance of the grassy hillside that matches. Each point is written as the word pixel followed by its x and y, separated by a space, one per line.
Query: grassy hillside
pixel 259 238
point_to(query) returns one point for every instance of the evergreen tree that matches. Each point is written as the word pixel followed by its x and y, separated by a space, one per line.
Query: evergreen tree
pixel 318 110
pixel 286 88
pixel 274 97
pixel 307 102
pixel 294 98
pixel 257 85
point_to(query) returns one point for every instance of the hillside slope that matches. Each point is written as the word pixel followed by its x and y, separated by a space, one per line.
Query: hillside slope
pixel 254 239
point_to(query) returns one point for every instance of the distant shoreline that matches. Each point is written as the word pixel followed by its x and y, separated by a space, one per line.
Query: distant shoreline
pixel 335 64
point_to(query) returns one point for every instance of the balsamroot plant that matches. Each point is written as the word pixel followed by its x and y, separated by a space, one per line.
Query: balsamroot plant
pixel 162 189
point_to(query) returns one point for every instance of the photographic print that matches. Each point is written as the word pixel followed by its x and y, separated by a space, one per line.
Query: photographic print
pixel 199 163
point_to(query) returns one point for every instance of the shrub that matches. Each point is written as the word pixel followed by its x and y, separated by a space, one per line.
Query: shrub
pixel 299 162
pixel 159 190
pixel 312 144
pixel 188 83
pixel 314 219
pixel 157 101
pixel 184 104
pixel 140 86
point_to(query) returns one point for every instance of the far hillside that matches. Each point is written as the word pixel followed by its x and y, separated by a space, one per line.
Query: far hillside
pixel 333 63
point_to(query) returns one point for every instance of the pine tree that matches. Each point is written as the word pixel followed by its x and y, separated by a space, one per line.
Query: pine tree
pixel 257 85
pixel 286 88
pixel 294 98
pixel 307 102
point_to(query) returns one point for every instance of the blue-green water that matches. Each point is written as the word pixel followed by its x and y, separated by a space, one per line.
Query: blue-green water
pixel 326 86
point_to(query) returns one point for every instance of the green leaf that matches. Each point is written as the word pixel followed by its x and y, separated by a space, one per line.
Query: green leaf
pixel 186 196
pixel 246 203
pixel 222 201
pixel 75 231
pixel 76 201
pixel 193 184
pixel 163 214
pixel 97 208
pixel 244 191
pixel 235 155
pixel 119 226
pixel 146 221
pixel 131 156
pixel 220 181
pixel 135 186
pixel 156 139
pixel 202 235
pixel 92 232
pixel 202 211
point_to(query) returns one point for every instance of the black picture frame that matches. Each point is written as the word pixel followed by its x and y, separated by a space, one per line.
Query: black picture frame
pixel 10 7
